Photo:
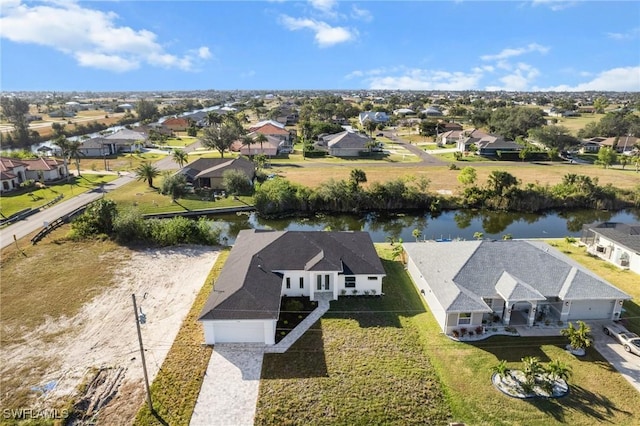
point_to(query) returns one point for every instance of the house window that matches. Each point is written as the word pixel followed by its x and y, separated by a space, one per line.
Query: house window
pixel 372 278
pixel 288 282
pixel 350 282
pixel 319 281
pixel 600 249
pixel 301 282
pixel 464 318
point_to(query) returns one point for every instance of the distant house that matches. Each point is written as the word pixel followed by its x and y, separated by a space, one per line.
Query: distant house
pixel 514 282
pixel 344 144
pixel 450 126
pixel 277 131
pixel 375 116
pixel 403 111
pixel 431 112
pixel 177 124
pixel 209 172
pixel 617 243
pixel 620 144
pixel 94 147
pixel 124 140
pixel 450 136
pixel 590 145
pixel 486 144
pixel 271 147
pixel 264 266
pixel 14 171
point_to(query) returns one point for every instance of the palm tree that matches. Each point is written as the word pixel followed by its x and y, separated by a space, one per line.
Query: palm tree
pixel 74 151
pixel 180 157
pixel 478 235
pixel 501 369
pixel 247 141
pixel 532 368
pixel 147 172
pixel 580 337
pixel 557 370
pixel 416 234
pixel 370 126
pixel 62 142
pixel 398 251
pixel 261 138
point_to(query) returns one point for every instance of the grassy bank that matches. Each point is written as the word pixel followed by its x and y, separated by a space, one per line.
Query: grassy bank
pixel 175 390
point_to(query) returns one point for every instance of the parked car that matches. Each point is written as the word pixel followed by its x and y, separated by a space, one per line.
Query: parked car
pixel 630 341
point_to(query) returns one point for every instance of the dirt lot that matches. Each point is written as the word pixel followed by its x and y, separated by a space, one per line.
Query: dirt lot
pixel 98 346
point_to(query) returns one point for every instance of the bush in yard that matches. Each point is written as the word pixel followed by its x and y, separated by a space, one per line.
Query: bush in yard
pixel 180 230
pixel 97 219
pixel 236 182
pixel 293 305
pixel 174 185
pixel 129 225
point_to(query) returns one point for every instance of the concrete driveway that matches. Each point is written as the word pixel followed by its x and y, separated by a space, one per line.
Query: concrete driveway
pixel 627 364
pixel 229 392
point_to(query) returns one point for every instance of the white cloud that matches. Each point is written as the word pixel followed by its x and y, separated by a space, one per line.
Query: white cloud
pixel 325 6
pixel 555 5
pixel 519 80
pixel 508 53
pixel 361 14
pixel 629 35
pixel 90 36
pixel 626 79
pixel 204 52
pixel 325 34
pixel 422 79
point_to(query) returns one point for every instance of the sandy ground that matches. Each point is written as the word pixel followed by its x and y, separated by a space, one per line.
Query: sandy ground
pixel 99 346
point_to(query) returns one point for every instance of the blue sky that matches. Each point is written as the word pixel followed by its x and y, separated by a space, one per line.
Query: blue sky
pixel 319 44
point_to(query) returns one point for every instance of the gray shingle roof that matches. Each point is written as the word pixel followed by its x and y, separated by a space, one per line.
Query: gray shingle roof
pixel 518 269
pixel 625 234
pixel 249 285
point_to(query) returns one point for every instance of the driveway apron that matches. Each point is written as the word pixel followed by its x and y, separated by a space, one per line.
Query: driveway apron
pixel 229 391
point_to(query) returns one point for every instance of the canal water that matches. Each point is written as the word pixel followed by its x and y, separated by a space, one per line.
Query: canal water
pixel 458 224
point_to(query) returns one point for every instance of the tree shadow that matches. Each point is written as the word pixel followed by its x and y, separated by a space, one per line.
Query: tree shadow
pixel 596 406
pixel 514 348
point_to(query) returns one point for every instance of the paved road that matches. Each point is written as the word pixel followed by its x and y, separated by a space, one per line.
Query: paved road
pixel 167 162
pixel 35 222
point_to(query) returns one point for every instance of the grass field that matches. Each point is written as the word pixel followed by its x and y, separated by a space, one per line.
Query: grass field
pixel 443 178
pixel 149 200
pixel 123 163
pixel 576 123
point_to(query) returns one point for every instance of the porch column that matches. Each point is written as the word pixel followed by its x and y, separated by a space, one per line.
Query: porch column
pixel 532 313
pixel 507 314
pixel 566 307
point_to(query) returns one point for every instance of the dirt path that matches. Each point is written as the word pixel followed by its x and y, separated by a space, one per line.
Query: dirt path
pixel 99 346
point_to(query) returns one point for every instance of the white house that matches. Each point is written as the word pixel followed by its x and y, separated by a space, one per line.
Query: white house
pixel 617 243
pixel 514 282
pixel 375 116
pixel 264 266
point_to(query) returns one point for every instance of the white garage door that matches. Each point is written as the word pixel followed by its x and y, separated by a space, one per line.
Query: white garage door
pixel 595 309
pixel 239 332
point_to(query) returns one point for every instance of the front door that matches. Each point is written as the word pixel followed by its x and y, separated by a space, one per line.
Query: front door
pixel 323 282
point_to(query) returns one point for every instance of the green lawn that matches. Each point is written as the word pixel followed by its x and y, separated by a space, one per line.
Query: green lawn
pixel 149 200
pixel 180 141
pixel 471 158
pixel 385 361
pixel 34 198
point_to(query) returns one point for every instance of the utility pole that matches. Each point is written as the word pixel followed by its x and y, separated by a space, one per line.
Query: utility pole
pixel 144 364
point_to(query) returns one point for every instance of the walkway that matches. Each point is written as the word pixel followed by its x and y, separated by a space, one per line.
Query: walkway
pixel 283 345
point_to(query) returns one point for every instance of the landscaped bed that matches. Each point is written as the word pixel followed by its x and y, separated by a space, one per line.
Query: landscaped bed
pixel 293 311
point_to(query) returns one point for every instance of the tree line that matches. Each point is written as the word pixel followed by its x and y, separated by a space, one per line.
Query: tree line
pixel 502 191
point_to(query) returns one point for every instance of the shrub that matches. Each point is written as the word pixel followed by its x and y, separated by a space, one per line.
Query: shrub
pixel 453 166
pixel 174 185
pixel 129 225
pixel 479 330
pixel 293 305
pixel 97 219
pixel 455 333
pixel 236 182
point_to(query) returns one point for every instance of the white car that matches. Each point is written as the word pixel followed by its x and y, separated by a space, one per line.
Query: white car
pixel 630 341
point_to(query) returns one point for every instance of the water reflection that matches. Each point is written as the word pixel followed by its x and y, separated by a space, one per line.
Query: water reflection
pixel 461 224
